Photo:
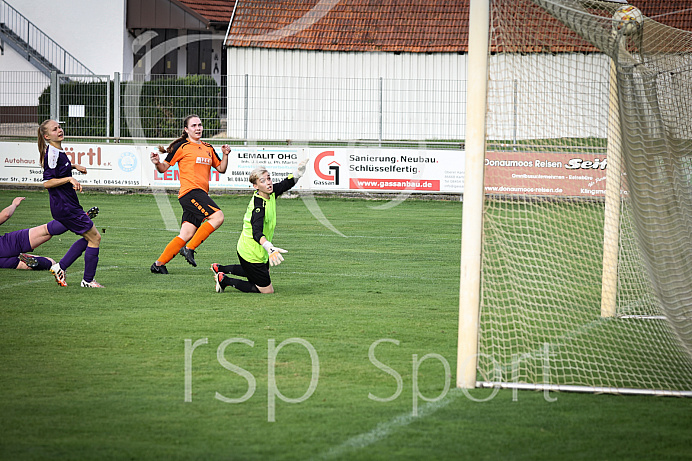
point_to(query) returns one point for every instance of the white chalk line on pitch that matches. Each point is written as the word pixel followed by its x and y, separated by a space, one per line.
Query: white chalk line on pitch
pixel 415 276
pixel 46 279
pixel 383 430
pixel 300 234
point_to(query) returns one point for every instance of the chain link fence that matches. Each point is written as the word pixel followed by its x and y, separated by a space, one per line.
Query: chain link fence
pixel 19 102
pixel 239 107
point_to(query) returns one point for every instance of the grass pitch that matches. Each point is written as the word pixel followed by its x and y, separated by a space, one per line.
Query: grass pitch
pixel 101 374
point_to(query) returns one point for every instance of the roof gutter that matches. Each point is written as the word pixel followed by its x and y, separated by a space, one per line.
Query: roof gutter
pixel 230 23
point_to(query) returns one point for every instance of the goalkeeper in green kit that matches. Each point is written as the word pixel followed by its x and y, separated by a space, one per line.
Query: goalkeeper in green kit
pixel 255 249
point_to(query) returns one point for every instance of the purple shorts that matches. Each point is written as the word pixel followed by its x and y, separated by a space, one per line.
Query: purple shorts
pixel 9 263
pixel 78 223
pixel 11 244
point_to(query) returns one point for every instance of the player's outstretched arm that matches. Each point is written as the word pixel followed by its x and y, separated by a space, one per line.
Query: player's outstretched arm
pixel 7 213
pixel 300 170
pixel 291 180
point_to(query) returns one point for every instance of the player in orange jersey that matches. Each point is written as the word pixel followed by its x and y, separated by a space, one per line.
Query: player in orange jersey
pixel 201 216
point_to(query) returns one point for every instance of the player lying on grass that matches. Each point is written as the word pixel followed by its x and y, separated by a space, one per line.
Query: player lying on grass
pixel 255 249
pixel 15 245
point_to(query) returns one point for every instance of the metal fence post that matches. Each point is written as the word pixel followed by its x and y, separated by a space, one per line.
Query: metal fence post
pixel 515 102
pixel 116 106
pixel 247 107
pixel 54 98
pixel 108 106
pixel 380 110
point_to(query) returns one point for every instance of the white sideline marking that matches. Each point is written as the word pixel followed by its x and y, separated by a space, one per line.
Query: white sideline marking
pixel 300 234
pixel 48 279
pixel 383 430
pixel 370 275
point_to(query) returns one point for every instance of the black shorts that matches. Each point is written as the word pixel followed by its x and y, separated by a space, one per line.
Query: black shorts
pixel 197 206
pixel 257 273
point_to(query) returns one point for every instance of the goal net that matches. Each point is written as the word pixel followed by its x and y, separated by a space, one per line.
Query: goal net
pixel 589 153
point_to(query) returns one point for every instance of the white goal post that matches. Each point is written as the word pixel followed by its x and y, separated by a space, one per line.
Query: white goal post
pixel 472 219
pixel 577 292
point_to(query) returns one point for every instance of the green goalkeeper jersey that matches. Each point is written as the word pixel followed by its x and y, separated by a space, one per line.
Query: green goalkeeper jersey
pixel 260 220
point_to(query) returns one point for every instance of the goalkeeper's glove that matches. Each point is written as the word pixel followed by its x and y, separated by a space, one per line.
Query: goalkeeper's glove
pixel 274 253
pixel 300 171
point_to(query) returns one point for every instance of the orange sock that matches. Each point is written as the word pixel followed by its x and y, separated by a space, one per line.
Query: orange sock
pixel 201 235
pixel 171 250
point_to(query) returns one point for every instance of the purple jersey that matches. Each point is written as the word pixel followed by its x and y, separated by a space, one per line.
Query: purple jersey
pixel 63 199
pixel 11 244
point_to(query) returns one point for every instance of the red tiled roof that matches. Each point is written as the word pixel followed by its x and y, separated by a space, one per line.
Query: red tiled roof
pixel 353 25
pixel 531 29
pixel 214 10
pixel 386 25
pixel 674 13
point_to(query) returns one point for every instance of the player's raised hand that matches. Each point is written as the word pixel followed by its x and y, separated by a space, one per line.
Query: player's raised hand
pixel 300 171
pixel 274 253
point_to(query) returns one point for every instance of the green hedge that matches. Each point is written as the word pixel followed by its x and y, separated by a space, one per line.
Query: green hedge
pixel 163 105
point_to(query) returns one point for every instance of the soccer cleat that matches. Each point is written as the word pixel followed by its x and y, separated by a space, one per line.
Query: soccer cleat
pixel 59 274
pixel 159 269
pixel 93 211
pixel 215 269
pixel 218 277
pixel 29 260
pixel 189 255
pixel 92 284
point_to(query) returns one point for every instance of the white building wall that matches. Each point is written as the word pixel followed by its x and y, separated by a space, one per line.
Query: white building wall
pixel 316 95
pixel 93 31
pixel 545 96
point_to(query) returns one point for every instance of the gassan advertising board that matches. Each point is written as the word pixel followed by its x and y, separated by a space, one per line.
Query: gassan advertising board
pixel 387 170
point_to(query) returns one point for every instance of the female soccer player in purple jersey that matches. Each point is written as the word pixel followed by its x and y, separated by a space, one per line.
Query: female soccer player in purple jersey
pixel 14 245
pixel 64 204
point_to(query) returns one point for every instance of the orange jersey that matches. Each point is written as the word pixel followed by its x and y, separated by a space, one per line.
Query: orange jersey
pixel 194 163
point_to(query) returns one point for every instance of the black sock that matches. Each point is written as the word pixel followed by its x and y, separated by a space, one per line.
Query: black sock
pixel 233 269
pixel 242 285
pixel 43 264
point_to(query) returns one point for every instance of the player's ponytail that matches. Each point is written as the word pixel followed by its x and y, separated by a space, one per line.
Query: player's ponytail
pixel 42 145
pixel 182 137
